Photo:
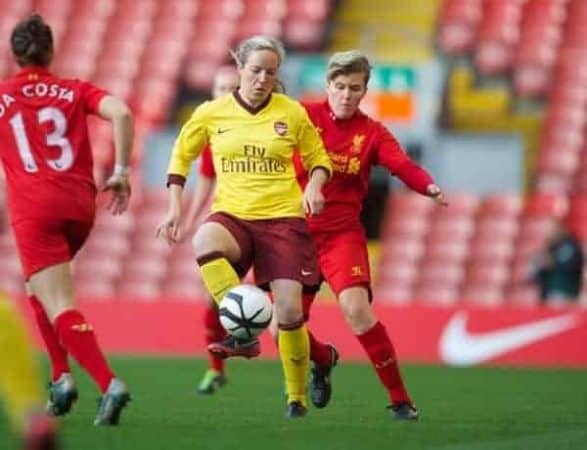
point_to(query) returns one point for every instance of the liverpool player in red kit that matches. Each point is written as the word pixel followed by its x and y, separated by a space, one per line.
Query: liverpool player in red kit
pixel 355 143
pixel 51 199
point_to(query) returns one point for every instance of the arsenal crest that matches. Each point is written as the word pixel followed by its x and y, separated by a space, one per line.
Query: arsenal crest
pixel 280 128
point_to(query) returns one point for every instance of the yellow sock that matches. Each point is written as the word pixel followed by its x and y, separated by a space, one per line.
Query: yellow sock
pixel 19 376
pixel 219 277
pixel 294 350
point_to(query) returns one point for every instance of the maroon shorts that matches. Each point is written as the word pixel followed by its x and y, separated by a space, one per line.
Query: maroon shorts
pixel 343 258
pixel 276 248
pixel 45 242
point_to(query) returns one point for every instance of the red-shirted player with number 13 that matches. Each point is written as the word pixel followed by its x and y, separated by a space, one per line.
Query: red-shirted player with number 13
pixel 51 199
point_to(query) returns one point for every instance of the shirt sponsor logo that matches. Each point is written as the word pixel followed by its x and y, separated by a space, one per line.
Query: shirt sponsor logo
pixel 344 164
pixel 280 128
pixel 254 159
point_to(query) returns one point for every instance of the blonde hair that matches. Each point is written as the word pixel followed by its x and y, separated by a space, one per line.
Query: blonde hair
pixel 345 63
pixel 256 43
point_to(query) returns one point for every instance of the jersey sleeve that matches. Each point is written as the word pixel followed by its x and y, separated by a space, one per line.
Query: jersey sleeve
pixel 191 141
pixel 92 96
pixel 207 164
pixel 310 145
pixel 390 154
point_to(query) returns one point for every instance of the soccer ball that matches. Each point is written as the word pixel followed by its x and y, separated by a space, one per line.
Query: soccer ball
pixel 245 311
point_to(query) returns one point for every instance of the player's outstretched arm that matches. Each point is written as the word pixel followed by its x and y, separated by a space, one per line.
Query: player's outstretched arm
pixel 168 230
pixel 199 199
pixel 117 112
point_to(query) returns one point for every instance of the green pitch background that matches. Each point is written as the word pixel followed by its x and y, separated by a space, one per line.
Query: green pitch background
pixel 473 409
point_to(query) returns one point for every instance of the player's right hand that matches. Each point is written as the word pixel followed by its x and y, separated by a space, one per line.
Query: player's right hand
pixel 119 185
pixel 168 230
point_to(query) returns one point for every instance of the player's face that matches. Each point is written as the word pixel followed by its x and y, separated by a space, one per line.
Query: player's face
pixel 259 76
pixel 345 93
pixel 224 83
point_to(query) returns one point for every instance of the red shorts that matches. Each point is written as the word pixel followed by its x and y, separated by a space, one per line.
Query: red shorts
pixel 45 242
pixel 276 248
pixel 343 259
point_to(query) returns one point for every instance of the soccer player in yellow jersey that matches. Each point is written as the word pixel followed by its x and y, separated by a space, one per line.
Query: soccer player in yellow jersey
pixel 20 384
pixel 258 209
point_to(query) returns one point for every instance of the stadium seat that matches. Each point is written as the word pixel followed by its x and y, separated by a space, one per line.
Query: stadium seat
pixel 141 290
pixel 501 228
pixel 409 203
pixel 485 250
pixel 13 285
pixel 557 162
pixel 10 266
pixel 405 226
pixel 458 22
pixel 522 295
pixel 452 252
pixel 403 249
pixel 96 289
pixel 501 205
pixel 545 205
pixel 482 294
pixel 489 273
pixel 105 269
pixel 393 293
pixel 440 273
pixel 457 228
pixel 397 272
pixel 438 295
pixel 186 290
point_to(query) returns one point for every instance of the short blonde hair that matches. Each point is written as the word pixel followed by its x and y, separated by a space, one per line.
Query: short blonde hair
pixel 345 63
pixel 256 43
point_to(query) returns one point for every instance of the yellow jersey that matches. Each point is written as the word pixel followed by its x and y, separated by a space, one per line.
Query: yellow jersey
pixel 252 150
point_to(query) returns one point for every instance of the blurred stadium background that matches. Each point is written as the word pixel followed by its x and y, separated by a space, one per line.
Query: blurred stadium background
pixel 490 95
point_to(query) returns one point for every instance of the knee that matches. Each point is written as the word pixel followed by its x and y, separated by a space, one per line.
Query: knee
pixel 358 315
pixel 289 312
pixel 203 244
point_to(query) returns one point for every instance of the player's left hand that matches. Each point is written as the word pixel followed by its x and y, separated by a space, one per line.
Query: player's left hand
pixel 313 199
pixel 119 185
pixel 436 194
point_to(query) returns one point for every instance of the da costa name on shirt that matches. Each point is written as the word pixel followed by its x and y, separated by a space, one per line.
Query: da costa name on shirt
pixel 38 90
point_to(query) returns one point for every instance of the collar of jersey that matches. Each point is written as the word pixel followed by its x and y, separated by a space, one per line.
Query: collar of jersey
pixel 27 70
pixel 248 107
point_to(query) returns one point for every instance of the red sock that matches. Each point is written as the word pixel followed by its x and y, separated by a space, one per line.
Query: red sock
pixel 57 353
pixel 378 346
pixel 77 337
pixel 319 353
pixel 214 332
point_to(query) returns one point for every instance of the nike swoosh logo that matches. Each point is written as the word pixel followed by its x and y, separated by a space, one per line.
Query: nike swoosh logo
pixel 223 130
pixel 306 273
pixel 461 348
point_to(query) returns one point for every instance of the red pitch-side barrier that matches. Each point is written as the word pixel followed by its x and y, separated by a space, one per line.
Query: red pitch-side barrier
pixel 457 336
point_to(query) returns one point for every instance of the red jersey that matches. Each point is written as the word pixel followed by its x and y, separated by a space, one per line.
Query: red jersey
pixel 45 148
pixel 207 164
pixel 354 146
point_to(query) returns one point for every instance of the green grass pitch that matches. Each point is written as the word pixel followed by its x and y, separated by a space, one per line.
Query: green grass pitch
pixel 464 409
